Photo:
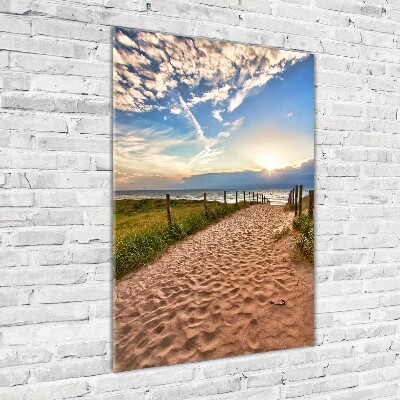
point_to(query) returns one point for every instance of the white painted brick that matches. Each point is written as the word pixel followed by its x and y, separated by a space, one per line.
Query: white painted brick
pixel 264 379
pixel 324 385
pixel 53 257
pixel 26 277
pixel 4 60
pixel 59 65
pixel 257 6
pixel 73 144
pixel 58 390
pixel 13 258
pixel 12 316
pixel 70 369
pixel 44 45
pixel 14 25
pixel 81 349
pixel 34 238
pixel 12 377
pixel 97 126
pixel 374 392
pixel 64 11
pixel 22 355
pixel 72 293
pixel 19 7
pixel 15 297
pixel 70 30
pixel 33 122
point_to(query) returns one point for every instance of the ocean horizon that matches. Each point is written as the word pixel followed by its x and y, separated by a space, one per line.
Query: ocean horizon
pixel 275 196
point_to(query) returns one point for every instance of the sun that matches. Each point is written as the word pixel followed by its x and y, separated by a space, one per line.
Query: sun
pixel 271 162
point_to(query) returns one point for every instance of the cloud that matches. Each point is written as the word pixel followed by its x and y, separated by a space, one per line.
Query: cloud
pixel 175 110
pixel 144 152
pixel 189 116
pixel 149 66
pixel 234 126
pixel 207 155
pixel 216 95
pixel 217 115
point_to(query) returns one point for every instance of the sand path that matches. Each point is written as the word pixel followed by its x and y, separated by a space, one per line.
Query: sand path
pixel 210 296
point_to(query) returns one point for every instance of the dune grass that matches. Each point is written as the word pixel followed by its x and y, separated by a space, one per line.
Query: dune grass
pixel 304 231
pixel 142 233
pixel 304 239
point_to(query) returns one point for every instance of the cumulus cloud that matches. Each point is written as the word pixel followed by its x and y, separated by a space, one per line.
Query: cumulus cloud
pixel 149 66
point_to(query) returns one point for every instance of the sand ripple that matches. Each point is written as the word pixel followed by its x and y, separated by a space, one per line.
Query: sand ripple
pixel 216 294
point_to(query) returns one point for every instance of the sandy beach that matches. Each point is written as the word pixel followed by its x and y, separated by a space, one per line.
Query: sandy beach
pixel 230 289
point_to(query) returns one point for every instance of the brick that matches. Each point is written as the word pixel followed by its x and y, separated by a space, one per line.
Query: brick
pixel 12 316
pixel 14 25
pixel 58 65
pixel 70 30
pixel 73 293
pixel 15 297
pixel 34 238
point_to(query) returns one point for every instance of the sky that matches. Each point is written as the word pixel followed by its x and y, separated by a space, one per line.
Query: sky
pixel 191 111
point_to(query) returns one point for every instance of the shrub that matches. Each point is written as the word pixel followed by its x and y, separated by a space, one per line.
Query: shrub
pixel 304 241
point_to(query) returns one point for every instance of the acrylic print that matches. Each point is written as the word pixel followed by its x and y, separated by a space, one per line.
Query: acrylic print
pixel 213 199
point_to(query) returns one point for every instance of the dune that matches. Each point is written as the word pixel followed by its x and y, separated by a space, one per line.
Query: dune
pixel 230 289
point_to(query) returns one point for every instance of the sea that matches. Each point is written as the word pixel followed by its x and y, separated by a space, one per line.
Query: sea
pixel 275 196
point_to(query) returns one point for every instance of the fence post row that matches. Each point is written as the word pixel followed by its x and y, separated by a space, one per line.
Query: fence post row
pixel 296 193
pixel 168 200
pixel 300 199
pixel 311 203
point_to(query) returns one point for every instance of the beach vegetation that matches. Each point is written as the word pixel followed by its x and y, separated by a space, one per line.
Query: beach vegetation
pixel 280 233
pixel 304 236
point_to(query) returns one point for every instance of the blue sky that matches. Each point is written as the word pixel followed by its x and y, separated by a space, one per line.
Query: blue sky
pixel 185 107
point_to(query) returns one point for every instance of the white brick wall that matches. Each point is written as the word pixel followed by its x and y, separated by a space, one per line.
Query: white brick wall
pixel 55 198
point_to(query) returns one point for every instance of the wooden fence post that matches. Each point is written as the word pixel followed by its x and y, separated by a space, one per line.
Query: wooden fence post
pixel 244 197
pixel 236 197
pixel 300 199
pixel 311 203
pixel 225 197
pixel 168 209
pixel 296 195
pixel 253 197
pixel 205 204
pixel 257 197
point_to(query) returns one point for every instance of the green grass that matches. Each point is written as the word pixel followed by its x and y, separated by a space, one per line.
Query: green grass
pixel 304 240
pixel 141 231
